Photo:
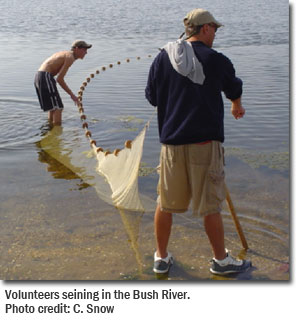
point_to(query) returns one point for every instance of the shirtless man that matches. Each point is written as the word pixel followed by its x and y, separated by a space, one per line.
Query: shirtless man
pixel 45 84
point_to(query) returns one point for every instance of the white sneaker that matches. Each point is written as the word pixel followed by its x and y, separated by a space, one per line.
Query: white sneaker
pixel 162 265
pixel 229 265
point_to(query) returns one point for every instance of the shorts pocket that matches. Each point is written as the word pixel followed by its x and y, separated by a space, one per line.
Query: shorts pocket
pixel 216 180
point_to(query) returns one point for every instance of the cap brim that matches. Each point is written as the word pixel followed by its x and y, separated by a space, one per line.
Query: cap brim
pixel 218 24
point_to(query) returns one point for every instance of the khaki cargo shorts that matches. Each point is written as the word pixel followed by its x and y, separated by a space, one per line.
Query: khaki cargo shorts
pixel 192 172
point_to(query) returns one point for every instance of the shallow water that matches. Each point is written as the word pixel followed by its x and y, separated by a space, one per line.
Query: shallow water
pixel 55 227
pixel 53 224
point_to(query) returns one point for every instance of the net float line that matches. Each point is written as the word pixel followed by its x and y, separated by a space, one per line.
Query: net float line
pixel 83 117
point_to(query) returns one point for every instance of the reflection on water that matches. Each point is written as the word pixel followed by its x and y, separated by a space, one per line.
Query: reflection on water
pixel 60 159
pixel 57 169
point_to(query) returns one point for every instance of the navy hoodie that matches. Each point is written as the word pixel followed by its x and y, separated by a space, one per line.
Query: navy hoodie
pixel 189 112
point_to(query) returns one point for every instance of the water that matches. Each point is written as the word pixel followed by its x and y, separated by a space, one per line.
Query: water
pixel 53 225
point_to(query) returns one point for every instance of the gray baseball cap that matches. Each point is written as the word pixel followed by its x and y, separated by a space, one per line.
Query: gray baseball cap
pixel 81 44
pixel 199 17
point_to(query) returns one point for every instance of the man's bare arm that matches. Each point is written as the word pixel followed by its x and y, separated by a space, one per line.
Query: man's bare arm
pixel 61 75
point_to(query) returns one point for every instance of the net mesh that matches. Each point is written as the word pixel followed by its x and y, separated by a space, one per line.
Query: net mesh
pixel 121 170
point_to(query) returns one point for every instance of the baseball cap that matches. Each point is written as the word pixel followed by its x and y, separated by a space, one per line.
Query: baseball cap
pixel 198 17
pixel 81 44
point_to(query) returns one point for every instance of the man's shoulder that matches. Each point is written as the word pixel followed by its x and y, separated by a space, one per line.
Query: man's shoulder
pixel 68 55
pixel 62 55
pixel 162 52
pixel 212 54
pixel 203 49
pixel 161 58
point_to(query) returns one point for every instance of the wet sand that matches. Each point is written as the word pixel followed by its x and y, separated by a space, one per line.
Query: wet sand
pixel 55 227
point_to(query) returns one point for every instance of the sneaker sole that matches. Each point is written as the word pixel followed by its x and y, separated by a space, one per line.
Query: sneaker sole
pixel 229 271
pixel 161 271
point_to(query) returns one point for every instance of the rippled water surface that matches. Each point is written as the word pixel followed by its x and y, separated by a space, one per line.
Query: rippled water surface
pixel 53 224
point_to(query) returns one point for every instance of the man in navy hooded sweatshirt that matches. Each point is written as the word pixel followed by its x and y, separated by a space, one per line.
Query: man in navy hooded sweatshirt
pixel 185 83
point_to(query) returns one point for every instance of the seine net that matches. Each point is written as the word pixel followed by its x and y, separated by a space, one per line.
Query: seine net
pixel 121 170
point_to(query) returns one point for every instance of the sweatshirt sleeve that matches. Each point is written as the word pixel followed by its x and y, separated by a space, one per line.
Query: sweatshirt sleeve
pixel 232 86
pixel 151 88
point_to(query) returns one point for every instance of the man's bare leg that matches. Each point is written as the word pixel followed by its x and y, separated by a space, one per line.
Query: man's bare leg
pixel 50 116
pixel 163 226
pixel 215 231
pixel 56 117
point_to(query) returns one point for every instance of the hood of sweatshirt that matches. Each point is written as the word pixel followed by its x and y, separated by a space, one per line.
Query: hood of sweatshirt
pixel 184 61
